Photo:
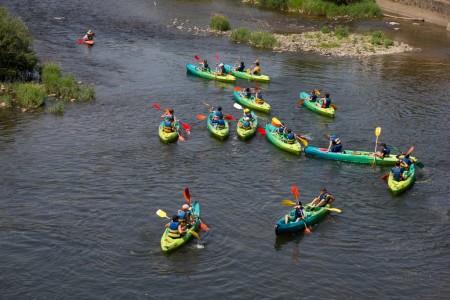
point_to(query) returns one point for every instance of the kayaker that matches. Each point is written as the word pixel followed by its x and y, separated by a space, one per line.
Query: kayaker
pixel 247 124
pixel 221 70
pixel 397 172
pixel 241 67
pixel 247 93
pixel 205 65
pixel 89 35
pixel 248 114
pixel 313 97
pixel 281 128
pixel 300 214
pixel 168 114
pixel 384 152
pixel 406 162
pixel 323 199
pixel 257 69
pixel 290 137
pixel 185 215
pixel 175 229
pixel 220 123
pixel 168 125
pixel 326 102
pixel 217 113
pixel 335 143
pixel 259 97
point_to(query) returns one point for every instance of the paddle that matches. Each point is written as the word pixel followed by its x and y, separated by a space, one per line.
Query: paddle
pixel 303 141
pixel 377 133
pixel 162 214
pixel 187 196
pixel 384 177
pixel 301 101
pixel 198 59
pixel 186 127
pixel 201 117
pixel 194 233
pixel 261 130
pixel 295 192
pixel 180 137
pixel 157 106
pixel 80 41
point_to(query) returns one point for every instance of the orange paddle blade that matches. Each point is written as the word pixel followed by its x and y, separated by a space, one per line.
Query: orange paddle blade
pixel 187 195
pixel 410 150
pixel 203 226
pixel 238 89
pixel 301 101
pixel 307 230
pixel 181 138
pixel 201 117
pixel 295 192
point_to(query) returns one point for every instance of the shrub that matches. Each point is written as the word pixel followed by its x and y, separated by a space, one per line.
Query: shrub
pixel 30 95
pixel 331 8
pixel 51 76
pixel 7 99
pixel 57 108
pixel 329 45
pixel 273 4
pixel 240 35
pixel 341 31
pixel 263 40
pixel 219 22
pixel 85 93
pixel 325 29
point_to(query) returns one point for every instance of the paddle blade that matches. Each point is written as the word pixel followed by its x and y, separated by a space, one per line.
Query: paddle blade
pixel 237 105
pixel 335 209
pixel 201 117
pixel 238 89
pixel 186 126
pixel 288 202
pixel 80 41
pixel 207 104
pixel 301 101
pixel 187 195
pixel 162 214
pixel 420 164
pixel 217 58
pixel 410 150
pixel 295 192
pixel 276 122
pixel 181 138
pixel 334 106
pixel 195 234
pixel 157 106
pixel 228 117
pixel 378 131
pixel 303 141
pixel 261 130
pixel 307 230
pixel 384 177
pixel 198 59
pixel 203 226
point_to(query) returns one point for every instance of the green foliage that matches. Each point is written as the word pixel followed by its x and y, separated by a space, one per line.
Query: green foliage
pixel 378 38
pixel 7 99
pixel 325 29
pixel 341 31
pixel 273 4
pixel 30 95
pixel 219 22
pixel 50 76
pixel 329 45
pixel 16 55
pixel 240 35
pixel 57 108
pixel 85 93
pixel 355 9
pixel 263 40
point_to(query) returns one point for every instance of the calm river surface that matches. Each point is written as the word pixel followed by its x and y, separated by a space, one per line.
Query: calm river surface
pixel 80 191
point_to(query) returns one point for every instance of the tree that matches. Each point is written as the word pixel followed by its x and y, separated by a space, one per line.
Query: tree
pixel 17 58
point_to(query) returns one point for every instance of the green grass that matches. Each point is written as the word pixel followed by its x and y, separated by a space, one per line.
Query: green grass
pixel 29 95
pixel 240 35
pixel 57 108
pixel 325 29
pixel 362 9
pixel 328 45
pixel 273 4
pixel 263 40
pixel 341 31
pixel 378 38
pixel 7 99
pixel 219 22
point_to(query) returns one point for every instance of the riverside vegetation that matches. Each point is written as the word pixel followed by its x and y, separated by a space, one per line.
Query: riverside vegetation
pixel 20 72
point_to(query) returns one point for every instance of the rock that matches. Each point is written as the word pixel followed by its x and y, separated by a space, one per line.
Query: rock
pixel 80 82
pixel 448 26
pixel 52 95
pixel 24 110
pixel 180 27
pixel 416 24
pixel 393 23
pixel 72 100
pixel 3 104
pixel 396 28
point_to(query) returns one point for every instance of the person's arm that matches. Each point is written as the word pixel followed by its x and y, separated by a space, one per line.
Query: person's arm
pixel 212 109
pixel 329 146
pixel 330 197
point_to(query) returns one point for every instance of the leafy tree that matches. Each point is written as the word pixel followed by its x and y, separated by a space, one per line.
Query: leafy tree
pixel 17 57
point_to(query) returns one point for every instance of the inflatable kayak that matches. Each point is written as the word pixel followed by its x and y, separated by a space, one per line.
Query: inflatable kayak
pixel 245 75
pixel 277 140
pixel 220 133
pixel 315 106
pixel 209 74
pixel 168 137
pixel 250 102
pixel 169 244
pixel 397 187
pixel 362 157
pixel 312 217
pixel 90 43
pixel 250 132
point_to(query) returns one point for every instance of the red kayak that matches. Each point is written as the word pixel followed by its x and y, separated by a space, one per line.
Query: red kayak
pixel 90 43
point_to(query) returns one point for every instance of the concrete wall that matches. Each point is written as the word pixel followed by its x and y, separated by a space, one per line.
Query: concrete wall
pixel 439 6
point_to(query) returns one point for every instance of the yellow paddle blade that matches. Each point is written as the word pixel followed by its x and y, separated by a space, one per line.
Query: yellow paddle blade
pixel 378 131
pixel 162 214
pixel 304 142
pixel 317 92
pixel 248 70
pixel 335 209
pixel 288 202
pixel 194 234
pixel 275 122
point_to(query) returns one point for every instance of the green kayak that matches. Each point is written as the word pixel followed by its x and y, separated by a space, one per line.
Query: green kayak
pixel 245 75
pixel 220 133
pixel 209 74
pixel 250 102
pixel 312 217
pixel 276 139
pixel 315 106
pixel 247 133
pixel 168 137
pixel 169 244
pixel 397 187
pixel 362 157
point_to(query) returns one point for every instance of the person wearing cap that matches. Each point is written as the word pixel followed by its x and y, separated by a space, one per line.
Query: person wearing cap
pixel 290 137
pixel 185 215
pixel 221 70
pixel 248 114
pixel 89 35
pixel 176 231
pixel 384 152
pixel 335 143
pixel 313 97
pixel 257 69
pixel 246 124
pixel 323 199
pixel 300 214
pixel 241 67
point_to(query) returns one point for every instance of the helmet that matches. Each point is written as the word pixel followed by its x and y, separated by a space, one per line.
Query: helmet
pixel 221 64
pixel 185 206
pixel 246 110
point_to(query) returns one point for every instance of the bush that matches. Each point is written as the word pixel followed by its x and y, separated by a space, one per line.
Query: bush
pixel 17 59
pixel 325 29
pixel 240 35
pixel 329 45
pixel 273 4
pixel 263 40
pixel 219 22
pixel 85 93
pixel 341 31
pixel 355 9
pixel 30 95
pixel 7 99
pixel 57 108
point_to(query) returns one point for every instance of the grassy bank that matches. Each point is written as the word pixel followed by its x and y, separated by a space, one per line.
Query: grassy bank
pixel 258 38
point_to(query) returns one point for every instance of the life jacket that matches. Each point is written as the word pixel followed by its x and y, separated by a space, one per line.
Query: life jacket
pixel 257 70
pixel 183 217
pixel 335 139
pixel 407 161
pixel 324 196
pixel 386 151
pixel 249 115
pixel 326 103
pixel 246 125
pixel 290 138
pixel 299 213
pixel 167 127
pixel 173 230
pixel 259 99
pixel 281 129
pixel 313 97
pixel 221 124
pixel 397 172
pixel 248 94
pixel 218 113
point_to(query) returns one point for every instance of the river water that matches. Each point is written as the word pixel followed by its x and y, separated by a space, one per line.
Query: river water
pixel 80 191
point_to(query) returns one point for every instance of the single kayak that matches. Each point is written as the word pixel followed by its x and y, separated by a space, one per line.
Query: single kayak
pixel 209 74
pixel 312 217
pixel 250 102
pixel 316 105
pixel 166 136
pixel 244 133
pixel 397 187
pixel 220 133
pixel 277 140
pixel 245 75
pixel 90 43
pixel 362 157
pixel 169 244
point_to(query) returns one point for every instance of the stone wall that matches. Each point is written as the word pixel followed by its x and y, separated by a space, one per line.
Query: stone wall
pixel 438 6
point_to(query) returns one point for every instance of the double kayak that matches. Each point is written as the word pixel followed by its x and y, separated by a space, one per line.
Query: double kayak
pixel 207 73
pixel 277 140
pixel 168 137
pixel 169 244
pixel 250 102
pixel 362 157
pixel 396 187
pixel 316 105
pixel 220 133
pixel 244 133
pixel 312 217
pixel 245 75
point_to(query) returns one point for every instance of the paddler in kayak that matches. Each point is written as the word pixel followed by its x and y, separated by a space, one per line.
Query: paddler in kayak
pixel 205 65
pixel 290 137
pixel 89 35
pixel 168 114
pixel 246 124
pixel 300 214
pixel 259 97
pixel 247 93
pixel 323 199
pixel 217 114
pixel 175 229
pixel 335 143
pixel 281 128
pixel 248 114
pixel 241 67
pixel 221 70
pixel 405 162
pixel 326 101
pixel 397 172
pixel 185 215
pixel 257 69
pixel 384 152
pixel 313 97
pixel 169 125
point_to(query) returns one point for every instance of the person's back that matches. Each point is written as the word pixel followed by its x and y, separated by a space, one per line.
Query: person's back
pixel 326 101
pixel 290 137
pixel 221 123
pixel 173 228
pixel 397 172
pixel 313 96
pixel 241 68
pixel 257 69
pixel 259 97
pixel 168 127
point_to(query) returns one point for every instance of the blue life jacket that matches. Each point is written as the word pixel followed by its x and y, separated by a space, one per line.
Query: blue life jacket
pixel 173 230
pixel 183 217
pixel 206 66
pixel 335 139
pixel 290 138
pixel 298 213
pixel 386 151
pixel 218 113
pixel 407 161
pixel 246 124
pixel 313 97
pixel 167 127
pixel 249 115
pixel 397 172
pixel 327 102
pixel 324 196
pixel 221 123
pixel 241 68
pixel 281 129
